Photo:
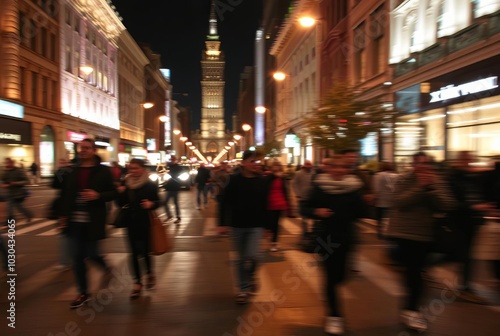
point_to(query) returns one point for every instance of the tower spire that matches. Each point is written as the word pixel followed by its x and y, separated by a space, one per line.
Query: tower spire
pixel 213 34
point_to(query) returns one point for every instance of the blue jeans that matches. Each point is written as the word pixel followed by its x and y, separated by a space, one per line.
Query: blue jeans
pixel 204 191
pixel 82 249
pixel 247 244
pixel 175 195
pixel 11 204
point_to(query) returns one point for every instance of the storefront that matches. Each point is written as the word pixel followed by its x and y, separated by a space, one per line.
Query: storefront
pixel 16 139
pixel 71 143
pixel 455 112
pixel 128 150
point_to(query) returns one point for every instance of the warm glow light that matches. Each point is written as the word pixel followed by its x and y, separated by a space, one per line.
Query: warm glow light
pixel 279 76
pixel 189 143
pixel 183 139
pixel 246 127
pixel 192 147
pixel 148 105
pixel 163 118
pixel 227 147
pixel 260 109
pixel 176 131
pixel 237 137
pixel 87 70
pixel 230 143
pixel 307 21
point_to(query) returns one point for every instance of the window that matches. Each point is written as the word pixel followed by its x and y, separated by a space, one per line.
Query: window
pixel 44 42
pixel 77 25
pixel 44 92
pixel 77 62
pixel 23 29
pixel 52 55
pixel 377 31
pixel 54 95
pixel 34 87
pixel 68 59
pixel 33 35
pixel 22 73
pixel 359 53
pixel 313 52
pixel 67 14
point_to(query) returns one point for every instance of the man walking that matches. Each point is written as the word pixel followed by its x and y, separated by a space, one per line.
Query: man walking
pixel 301 186
pixel 172 187
pixel 201 180
pixel 221 179
pixel 14 180
pixel 246 199
pixel 86 188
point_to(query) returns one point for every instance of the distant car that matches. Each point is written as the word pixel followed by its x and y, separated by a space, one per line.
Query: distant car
pixel 183 177
pixel 157 173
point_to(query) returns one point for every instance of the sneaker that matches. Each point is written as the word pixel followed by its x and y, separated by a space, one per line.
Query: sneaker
pixel 177 221
pixel 79 301
pixel 414 320
pixel 274 248
pixel 334 325
pixel 62 268
pixel 242 298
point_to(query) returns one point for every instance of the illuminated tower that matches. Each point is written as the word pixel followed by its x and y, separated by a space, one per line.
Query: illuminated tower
pixel 212 137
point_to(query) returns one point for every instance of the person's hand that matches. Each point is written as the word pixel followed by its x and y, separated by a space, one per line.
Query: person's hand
pixel 121 189
pixel 323 212
pixel 89 195
pixel 146 204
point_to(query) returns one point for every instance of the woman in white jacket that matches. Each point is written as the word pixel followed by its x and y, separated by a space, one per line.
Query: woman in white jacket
pixel 383 188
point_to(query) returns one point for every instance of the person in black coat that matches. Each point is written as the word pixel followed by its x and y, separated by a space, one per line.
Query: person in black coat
pixel 141 196
pixel 335 200
pixel 172 187
pixel 86 188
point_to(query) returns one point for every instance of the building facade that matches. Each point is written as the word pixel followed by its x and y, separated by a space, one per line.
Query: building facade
pixel 89 35
pixel 131 98
pixel 29 82
pixel 446 68
pixel 295 52
pixel 212 137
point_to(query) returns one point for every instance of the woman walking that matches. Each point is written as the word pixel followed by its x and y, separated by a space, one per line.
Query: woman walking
pixel 383 188
pixel 336 201
pixel 141 196
pixel 277 201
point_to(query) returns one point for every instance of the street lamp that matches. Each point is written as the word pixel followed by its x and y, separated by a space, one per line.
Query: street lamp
pixel 246 128
pixel 307 21
pixel 260 109
pixel 183 139
pixel 148 105
pixel 279 76
pixel 163 118
pixel 176 131
pixel 86 69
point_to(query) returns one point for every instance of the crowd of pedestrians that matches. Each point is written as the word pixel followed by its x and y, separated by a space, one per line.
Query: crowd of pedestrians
pixel 254 197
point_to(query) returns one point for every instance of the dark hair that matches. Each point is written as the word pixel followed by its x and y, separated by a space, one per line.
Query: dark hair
pixel 139 162
pixel 418 154
pixel 91 141
pixel 250 154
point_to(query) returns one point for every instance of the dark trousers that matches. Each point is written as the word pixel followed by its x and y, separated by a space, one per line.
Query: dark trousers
pixel 174 194
pixel 466 235
pixel 82 249
pixel 495 264
pixel 380 213
pixel 335 263
pixel 274 218
pixel 302 207
pixel 139 242
pixel 413 256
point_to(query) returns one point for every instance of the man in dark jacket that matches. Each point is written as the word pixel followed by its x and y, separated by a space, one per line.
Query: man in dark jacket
pixel 202 179
pixel 172 186
pixel 86 188
pixel 246 200
pixel 14 180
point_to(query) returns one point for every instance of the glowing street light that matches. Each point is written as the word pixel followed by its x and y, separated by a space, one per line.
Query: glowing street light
pixel 163 118
pixel 189 143
pixel 307 21
pixel 87 70
pixel 237 137
pixel 279 76
pixel 231 143
pixel 148 105
pixel 260 109
pixel 183 139
pixel 176 131
pixel 246 127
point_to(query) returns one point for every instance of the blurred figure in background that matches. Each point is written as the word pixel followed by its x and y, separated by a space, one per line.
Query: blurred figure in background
pixel 335 200
pixel 468 187
pixel 493 196
pixel 417 196
pixel 220 176
pixel 301 186
pixel 14 181
pixel 383 188
pixel 202 180
pixel 172 187
pixel 65 243
pixel 277 201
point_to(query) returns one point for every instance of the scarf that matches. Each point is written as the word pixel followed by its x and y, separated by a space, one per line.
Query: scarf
pixel 349 183
pixel 137 182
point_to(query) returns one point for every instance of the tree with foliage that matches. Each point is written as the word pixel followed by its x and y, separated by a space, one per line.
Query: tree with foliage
pixel 344 118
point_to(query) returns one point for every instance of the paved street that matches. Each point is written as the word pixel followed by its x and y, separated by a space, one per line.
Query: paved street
pixel 196 288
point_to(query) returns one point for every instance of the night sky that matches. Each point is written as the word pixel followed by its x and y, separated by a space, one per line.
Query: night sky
pixel 177 30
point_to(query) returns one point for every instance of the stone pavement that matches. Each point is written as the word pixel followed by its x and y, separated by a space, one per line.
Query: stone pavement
pixel 196 290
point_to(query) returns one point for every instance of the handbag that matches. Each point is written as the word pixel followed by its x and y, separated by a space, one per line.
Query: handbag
pixel 121 217
pixel 161 241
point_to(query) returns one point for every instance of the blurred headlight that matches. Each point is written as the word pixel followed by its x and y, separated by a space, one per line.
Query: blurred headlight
pixel 184 176
pixel 193 172
pixel 166 177
pixel 153 177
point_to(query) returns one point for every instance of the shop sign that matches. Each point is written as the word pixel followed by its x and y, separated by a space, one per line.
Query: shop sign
pixel 11 110
pixel 452 91
pixel 75 137
pixel 15 132
pixel 139 152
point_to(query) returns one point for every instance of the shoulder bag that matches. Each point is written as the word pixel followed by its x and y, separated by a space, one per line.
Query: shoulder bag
pixel 161 241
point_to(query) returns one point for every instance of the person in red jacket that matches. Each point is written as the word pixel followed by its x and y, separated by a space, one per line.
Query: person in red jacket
pixel 277 201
